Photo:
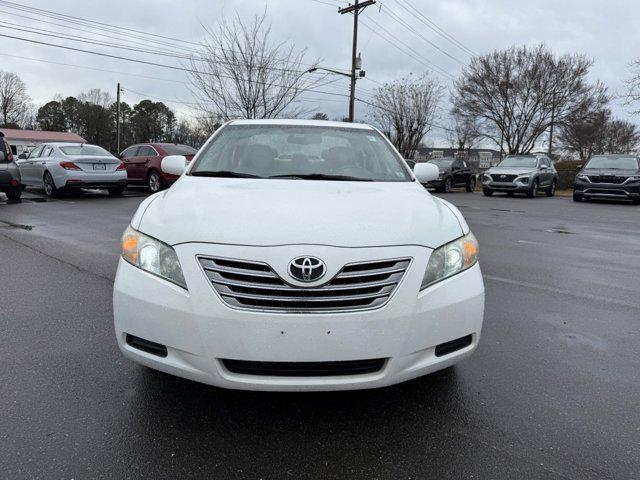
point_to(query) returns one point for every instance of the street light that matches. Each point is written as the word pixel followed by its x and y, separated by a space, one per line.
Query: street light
pixel 353 76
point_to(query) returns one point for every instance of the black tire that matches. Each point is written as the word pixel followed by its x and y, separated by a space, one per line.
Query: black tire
pixel 116 191
pixel 551 191
pixel 471 184
pixel 577 197
pixel 154 182
pixel 533 190
pixel 447 186
pixel 49 186
pixel 14 194
pixel 487 192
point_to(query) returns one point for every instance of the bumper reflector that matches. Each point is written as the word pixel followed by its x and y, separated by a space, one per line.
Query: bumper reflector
pixel 146 346
pixel 453 345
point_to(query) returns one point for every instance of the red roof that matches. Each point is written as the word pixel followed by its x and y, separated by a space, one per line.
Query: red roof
pixel 40 136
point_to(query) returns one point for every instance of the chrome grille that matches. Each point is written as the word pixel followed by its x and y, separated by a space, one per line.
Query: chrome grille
pixel 256 286
pixel 611 179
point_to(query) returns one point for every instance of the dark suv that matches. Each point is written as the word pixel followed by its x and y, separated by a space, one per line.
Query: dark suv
pixel 9 173
pixel 454 172
pixel 613 177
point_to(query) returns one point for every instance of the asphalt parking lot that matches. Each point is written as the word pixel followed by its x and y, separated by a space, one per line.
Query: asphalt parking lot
pixel 552 391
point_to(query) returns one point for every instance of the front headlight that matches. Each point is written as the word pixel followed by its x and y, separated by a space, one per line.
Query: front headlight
pixel 451 259
pixel 152 256
pixel 582 177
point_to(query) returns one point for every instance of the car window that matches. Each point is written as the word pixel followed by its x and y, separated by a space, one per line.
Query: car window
pixel 292 150
pixel 84 149
pixel 35 153
pixel 179 150
pixel 46 151
pixel 146 151
pixel 130 152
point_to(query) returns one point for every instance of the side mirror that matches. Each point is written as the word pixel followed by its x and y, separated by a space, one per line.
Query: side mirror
pixel 22 156
pixel 544 167
pixel 579 167
pixel 411 163
pixel 426 172
pixel 174 164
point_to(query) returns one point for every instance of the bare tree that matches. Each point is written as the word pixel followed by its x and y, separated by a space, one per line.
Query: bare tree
pixel 598 134
pixel 96 96
pixel 15 104
pixel 404 110
pixel 464 131
pixel 633 88
pixel 241 73
pixel 517 93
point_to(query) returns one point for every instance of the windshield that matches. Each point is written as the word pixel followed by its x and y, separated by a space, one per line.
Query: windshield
pixel 613 162
pixel 179 150
pixel 266 151
pixel 442 162
pixel 89 150
pixel 519 162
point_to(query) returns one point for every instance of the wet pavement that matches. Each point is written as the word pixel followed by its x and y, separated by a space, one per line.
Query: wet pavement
pixel 552 391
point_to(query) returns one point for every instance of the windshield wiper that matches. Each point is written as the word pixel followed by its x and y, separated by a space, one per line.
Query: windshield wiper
pixel 323 176
pixel 223 173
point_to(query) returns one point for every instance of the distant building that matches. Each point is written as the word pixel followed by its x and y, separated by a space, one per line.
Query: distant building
pixel 479 157
pixel 25 140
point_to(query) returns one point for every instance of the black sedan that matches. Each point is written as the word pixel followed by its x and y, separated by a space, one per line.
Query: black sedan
pixel 612 177
pixel 454 172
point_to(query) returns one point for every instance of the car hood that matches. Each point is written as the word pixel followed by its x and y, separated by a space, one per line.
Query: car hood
pixel 277 212
pixel 511 170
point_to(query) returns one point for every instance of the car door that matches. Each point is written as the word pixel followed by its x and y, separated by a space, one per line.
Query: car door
pixel 147 154
pixel 458 172
pixel 546 173
pixel 128 157
pixel 26 166
pixel 41 163
pixel 466 171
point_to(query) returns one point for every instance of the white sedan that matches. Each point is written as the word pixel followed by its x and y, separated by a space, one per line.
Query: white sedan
pixel 298 255
pixel 58 167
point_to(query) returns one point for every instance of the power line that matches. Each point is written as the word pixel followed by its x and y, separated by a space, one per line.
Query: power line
pixel 433 26
pixel 415 55
pixel 402 22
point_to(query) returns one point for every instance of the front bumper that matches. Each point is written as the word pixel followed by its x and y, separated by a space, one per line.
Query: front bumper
pixel 626 191
pixel 199 331
pixel 437 184
pixel 518 185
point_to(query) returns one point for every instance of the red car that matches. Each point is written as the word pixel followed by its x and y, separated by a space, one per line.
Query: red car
pixel 143 163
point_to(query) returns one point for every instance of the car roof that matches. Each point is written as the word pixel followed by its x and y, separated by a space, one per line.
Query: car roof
pixel 303 123
pixel 68 144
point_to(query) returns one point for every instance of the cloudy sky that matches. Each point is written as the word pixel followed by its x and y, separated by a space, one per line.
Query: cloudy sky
pixel 392 40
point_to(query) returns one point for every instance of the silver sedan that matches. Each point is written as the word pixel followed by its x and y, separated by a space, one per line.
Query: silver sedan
pixel 58 167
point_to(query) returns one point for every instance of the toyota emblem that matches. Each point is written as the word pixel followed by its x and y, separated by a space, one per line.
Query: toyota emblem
pixel 307 269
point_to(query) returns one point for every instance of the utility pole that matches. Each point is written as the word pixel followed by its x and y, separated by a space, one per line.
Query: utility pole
pixel 553 118
pixel 355 8
pixel 118 120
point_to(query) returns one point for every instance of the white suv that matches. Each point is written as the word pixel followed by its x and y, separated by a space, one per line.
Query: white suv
pixel 298 255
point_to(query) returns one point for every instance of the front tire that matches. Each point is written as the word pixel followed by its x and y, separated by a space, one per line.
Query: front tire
pixel 448 185
pixel 577 197
pixel 552 189
pixel 14 194
pixel 533 191
pixel 471 184
pixel 487 192
pixel 154 182
pixel 49 186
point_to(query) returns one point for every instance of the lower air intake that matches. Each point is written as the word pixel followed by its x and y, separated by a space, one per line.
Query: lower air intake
pixel 453 345
pixel 146 346
pixel 304 369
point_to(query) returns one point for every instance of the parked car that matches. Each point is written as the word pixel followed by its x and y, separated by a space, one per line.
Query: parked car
pixel 10 183
pixel 298 255
pixel 521 174
pixel 453 172
pixel 613 177
pixel 59 167
pixel 143 163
